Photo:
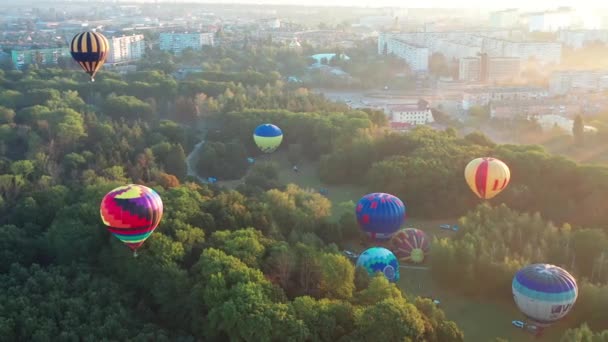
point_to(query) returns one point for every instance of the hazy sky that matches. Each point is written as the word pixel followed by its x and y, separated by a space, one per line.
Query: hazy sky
pixel 496 4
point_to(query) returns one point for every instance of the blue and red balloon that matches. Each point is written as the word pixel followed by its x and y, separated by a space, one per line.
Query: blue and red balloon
pixel 380 215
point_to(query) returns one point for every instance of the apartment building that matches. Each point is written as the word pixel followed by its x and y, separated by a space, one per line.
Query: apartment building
pixel 417 57
pixel 469 69
pixel 578 39
pixel 126 48
pixel 505 18
pixel 22 58
pixel 544 52
pixel 486 95
pixel 550 21
pixel 563 82
pixel 409 114
pixel 488 69
pixel 178 42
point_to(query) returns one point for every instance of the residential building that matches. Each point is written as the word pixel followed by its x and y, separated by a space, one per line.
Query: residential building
pixel 126 48
pixel 568 107
pixel 503 68
pixel 469 69
pixel 486 95
pixel 544 52
pixel 178 42
pixel 21 58
pixel 577 39
pixel 549 121
pixel 270 23
pixel 410 114
pixel 417 57
pixel 488 69
pixel 563 82
pixel 505 18
pixel 551 21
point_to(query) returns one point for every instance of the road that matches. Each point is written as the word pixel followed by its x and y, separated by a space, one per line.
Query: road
pixel 191 160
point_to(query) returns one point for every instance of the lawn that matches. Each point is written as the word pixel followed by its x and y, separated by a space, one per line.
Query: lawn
pixel 307 178
pixel 480 321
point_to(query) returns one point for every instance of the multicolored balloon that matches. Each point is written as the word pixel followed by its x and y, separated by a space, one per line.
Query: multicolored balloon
pixel 544 293
pixel 268 137
pixel 380 259
pixel 410 244
pixel 131 213
pixel 90 50
pixel 487 177
pixel 380 215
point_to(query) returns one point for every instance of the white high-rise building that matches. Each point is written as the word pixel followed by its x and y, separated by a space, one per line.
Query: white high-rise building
pixel 410 114
pixel 577 39
pixel 489 69
pixel 505 18
pixel 550 21
pixel 178 42
pixel 126 48
pixel 544 52
pixel 417 57
pixel 469 69
pixel 563 82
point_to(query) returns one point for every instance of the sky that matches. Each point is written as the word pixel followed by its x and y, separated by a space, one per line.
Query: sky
pixel 493 4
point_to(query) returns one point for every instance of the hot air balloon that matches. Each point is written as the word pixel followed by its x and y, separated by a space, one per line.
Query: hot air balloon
pixel 268 137
pixel 380 259
pixel 544 293
pixel 487 177
pixel 410 244
pixel 131 213
pixel 380 214
pixel 90 50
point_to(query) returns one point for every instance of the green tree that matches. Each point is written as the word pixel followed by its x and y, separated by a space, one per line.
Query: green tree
pixel 175 162
pixel 338 275
pixel 389 320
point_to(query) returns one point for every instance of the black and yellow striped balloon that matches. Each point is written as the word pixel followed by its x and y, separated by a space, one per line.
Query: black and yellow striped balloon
pixel 90 50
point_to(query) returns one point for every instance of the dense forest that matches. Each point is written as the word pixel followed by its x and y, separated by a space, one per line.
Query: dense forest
pixel 262 262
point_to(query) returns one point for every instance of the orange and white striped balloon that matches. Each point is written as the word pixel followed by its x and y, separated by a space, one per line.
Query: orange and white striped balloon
pixel 487 177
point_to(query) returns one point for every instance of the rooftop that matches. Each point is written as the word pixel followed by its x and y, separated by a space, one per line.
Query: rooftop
pixel 406 107
pixel 410 44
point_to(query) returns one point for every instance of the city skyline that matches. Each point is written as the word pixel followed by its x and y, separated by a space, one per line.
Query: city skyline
pixel 538 5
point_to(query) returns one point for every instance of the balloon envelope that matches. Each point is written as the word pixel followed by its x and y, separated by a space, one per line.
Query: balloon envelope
pixel 131 213
pixel 544 293
pixel 268 137
pixel 410 245
pixel 90 50
pixel 379 259
pixel 380 214
pixel 487 177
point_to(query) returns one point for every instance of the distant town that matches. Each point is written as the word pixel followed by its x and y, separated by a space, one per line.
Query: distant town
pixel 508 64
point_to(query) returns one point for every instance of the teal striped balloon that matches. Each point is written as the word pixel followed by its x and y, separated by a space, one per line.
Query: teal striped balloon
pixel 380 259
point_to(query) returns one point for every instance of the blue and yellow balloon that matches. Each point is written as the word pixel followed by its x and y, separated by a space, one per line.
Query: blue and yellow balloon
pixel 268 137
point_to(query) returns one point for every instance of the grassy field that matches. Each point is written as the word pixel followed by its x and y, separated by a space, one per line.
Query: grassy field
pixel 480 321
pixel 307 178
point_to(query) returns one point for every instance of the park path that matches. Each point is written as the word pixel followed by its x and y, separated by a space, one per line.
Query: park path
pixel 191 161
